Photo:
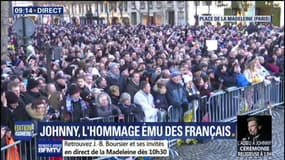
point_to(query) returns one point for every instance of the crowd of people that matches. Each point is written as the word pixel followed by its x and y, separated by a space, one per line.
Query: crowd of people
pixel 104 70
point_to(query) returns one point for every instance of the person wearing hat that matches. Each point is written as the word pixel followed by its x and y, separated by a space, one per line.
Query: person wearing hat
pixel 114 77
pixel 105 108
pixel 13 112
pixel 75 107
pixel 176 95
pixel 33 91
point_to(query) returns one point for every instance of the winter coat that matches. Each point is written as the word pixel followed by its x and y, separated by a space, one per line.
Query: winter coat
pixel 132 88
pixel 160 101
pixel 74 111
pixel 227 79
pixel 241 80
pixel 105 111
pixel 146 101
pixel 132 111
pixel 176 94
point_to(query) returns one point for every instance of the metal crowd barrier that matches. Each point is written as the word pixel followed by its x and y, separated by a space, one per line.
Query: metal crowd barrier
pixel 225 105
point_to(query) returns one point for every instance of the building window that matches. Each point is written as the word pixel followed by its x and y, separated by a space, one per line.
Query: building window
pixel 114 6
pixel 158 4
pixel 102 6
pixel 110 7
pixel 106 7
pixel 206 3
pixel 180 17
pixel 72 9
pixel 197 3
pixel 133 5
pixel 150 4
pixel 134 18
pixel 126 6
pixel 142 5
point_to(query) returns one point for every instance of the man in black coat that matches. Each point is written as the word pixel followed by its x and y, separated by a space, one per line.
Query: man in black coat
pixel 13 111
pixel 256 131
pixel 33 93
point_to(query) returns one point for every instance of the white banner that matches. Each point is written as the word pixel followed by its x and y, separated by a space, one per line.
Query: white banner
pixel 212 45
pixel 118 148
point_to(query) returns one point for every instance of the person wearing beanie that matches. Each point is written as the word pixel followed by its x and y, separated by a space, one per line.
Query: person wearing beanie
pixel 13 112
pixel 33 91
pixel 75 108
pixel 114 76
pixel 176 95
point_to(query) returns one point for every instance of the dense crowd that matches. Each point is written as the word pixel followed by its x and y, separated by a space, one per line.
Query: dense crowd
pixel 137 71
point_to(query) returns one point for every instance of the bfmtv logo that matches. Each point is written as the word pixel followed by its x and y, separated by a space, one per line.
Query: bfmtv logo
pixel 48 149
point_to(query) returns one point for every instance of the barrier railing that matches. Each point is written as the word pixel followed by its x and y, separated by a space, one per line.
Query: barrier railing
pixel 227 104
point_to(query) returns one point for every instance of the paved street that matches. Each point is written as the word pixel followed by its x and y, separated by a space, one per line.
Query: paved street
pixel 226 149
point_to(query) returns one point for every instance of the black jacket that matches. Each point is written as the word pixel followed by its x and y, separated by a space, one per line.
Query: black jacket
pixel 132 112
pixel 132 88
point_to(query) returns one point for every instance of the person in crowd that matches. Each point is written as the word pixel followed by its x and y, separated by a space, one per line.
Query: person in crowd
pixel 89 82
pixel 252 73
pixel 33 93
pixel 177 95
pixel 102 84
pixel 12 153
pixel 145 99
pixel 85 93
pixel 54 97
pixel 160 100
pixel 225 78
pixel 131 111
pixel 105 108
pixel 12 111
pixel 114 94
pixel 37 111
pixel 133 84
pixel 74 107
pixel 241 80
pixel 113 76
pixel 15 87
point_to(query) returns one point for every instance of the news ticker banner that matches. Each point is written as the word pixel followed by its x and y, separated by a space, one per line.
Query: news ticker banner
pixel 132 131
pixel 103 148
pixel 235 18
pixel 38 10
pixel 254 136
pixel 24 130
